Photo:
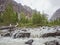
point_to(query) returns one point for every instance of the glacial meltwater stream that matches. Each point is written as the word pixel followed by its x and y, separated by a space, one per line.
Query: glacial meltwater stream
pixel 35 35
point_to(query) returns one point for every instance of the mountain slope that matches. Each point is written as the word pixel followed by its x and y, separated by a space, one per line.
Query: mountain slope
pixel 16 6
pixel 56 15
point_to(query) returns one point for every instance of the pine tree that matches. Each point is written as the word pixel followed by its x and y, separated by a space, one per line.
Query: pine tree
pixel 9 16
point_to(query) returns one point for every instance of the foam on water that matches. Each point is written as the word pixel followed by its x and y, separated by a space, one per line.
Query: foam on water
pixel 21 41
pixel 35 35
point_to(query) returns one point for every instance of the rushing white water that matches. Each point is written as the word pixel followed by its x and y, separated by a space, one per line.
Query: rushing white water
pixel 21 41
pixel 35 35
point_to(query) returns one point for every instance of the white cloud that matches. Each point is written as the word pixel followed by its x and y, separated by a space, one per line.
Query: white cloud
pixel 48 6
pixel 36 4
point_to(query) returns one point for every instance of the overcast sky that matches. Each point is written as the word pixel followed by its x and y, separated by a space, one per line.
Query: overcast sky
pixel 48 6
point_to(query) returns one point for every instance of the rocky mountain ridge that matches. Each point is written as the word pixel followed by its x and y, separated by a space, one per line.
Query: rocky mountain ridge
pixel 16 6
pixel 56 15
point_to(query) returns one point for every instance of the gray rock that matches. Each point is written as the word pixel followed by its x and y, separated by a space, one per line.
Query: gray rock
pixel 52 43
pixel 29 42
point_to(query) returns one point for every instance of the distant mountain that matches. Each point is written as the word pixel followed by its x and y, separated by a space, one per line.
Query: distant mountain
pixel 56 15
pixel 28 8
pixel 16 6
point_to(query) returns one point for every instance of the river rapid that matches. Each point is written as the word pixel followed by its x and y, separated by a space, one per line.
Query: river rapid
pixel 35 35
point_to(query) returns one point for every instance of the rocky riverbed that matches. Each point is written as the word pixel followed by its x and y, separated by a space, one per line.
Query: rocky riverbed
pixel 21 41
pixel 38 35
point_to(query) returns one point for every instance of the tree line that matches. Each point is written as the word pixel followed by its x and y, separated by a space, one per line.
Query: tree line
pixel 9 16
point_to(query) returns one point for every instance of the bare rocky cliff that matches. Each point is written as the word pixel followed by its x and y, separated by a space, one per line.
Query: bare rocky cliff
pixel 16 6
pixel 56 15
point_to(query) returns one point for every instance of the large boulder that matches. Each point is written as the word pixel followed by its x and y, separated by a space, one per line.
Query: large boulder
pixel 29 42
pixel 6 34
pixel 51 34
pixel 52 43
pixel 22 35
